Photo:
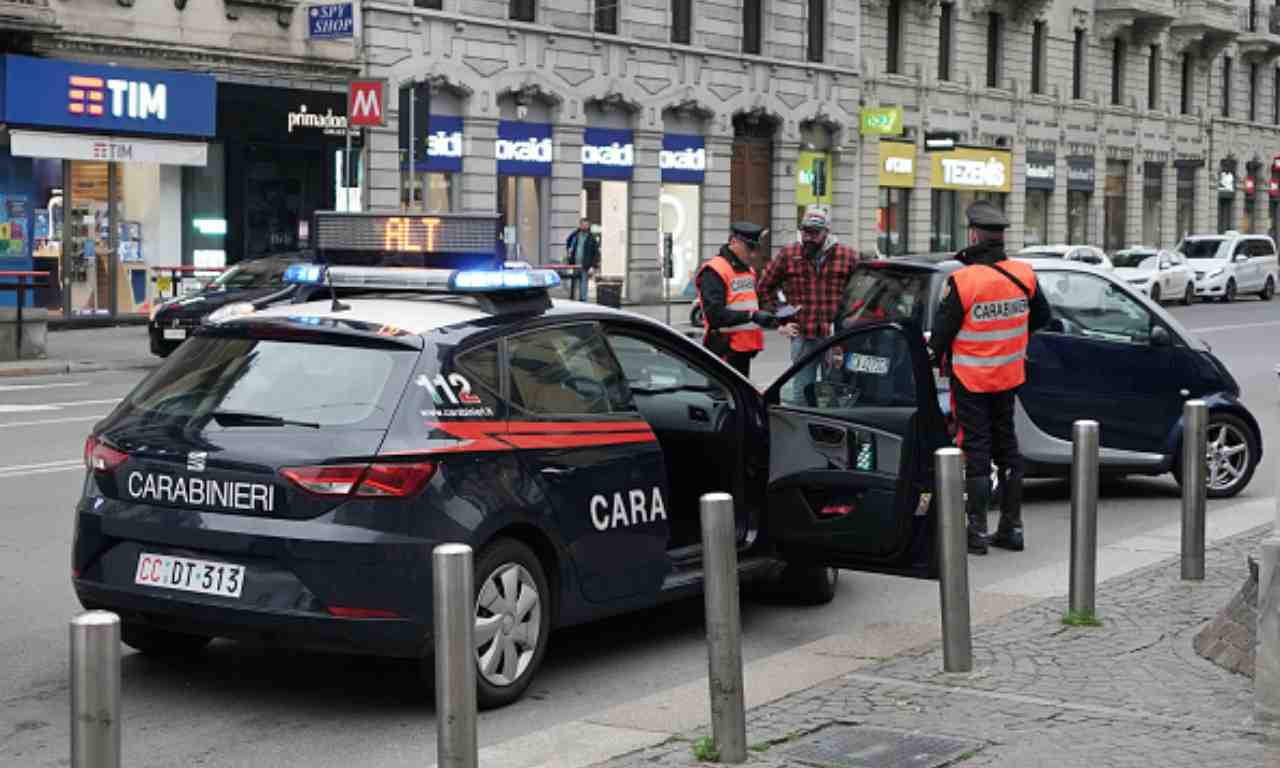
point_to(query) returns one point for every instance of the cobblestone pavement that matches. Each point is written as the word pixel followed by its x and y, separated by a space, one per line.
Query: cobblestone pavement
pixel 1129 693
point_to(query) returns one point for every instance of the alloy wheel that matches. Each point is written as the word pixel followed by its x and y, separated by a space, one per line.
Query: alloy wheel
pixel 508 623
pixel 1228 455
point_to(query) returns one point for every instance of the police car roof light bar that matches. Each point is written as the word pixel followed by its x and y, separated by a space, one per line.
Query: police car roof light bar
pixel 423 279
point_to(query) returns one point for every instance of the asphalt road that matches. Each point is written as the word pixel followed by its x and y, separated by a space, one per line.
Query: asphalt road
pixel 244 706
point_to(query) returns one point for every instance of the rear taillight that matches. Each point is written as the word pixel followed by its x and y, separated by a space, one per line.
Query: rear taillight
pixel 100 457
pixel 369 480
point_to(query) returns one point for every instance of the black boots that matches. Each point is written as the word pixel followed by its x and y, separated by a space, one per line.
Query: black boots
pixel 1009 534
pixel 977 497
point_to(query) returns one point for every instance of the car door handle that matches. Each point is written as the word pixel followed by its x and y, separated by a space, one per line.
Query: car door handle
pixel 699 414
pixel 558 473
pixel 826 435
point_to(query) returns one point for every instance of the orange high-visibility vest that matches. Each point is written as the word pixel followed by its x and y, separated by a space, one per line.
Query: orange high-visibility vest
pixel 989 352
pixel 740 295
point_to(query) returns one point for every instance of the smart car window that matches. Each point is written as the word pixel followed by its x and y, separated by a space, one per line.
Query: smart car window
pixel 566 371
pixel 876 293
pixel 319 384
pixel 1093 307
pixel 651 371
pixel 868 369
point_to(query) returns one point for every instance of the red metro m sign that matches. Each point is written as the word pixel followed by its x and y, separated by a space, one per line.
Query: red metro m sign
pixel 366 104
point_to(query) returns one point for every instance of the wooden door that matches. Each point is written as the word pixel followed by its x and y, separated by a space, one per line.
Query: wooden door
pixel 751 185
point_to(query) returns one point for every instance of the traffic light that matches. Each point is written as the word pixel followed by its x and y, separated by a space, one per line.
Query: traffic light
pixel 415 114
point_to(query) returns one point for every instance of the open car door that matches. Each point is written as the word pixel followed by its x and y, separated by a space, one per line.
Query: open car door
pixel 852 431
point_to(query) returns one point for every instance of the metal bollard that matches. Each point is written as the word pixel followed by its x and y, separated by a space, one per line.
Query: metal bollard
pixel 953 561
pixel 724 627
pixel 1084 516
pixel 1195 479
pixel 453 621
pixel 95 690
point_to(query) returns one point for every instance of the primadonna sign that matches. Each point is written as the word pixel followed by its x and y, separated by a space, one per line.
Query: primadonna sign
pixel 972 169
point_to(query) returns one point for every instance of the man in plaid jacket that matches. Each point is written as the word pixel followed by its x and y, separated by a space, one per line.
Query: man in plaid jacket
pixel 813 274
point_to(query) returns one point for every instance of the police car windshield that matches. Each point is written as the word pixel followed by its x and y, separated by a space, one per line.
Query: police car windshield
pixel 878 293
pixel 268 383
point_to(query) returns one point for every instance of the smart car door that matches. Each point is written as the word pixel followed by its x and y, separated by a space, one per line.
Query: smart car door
pixel 851 455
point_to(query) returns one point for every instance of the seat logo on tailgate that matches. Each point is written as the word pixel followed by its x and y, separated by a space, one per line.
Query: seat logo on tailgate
pixel 182 491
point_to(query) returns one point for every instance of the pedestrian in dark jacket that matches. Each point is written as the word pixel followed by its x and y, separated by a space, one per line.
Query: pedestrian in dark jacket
pixel 583 251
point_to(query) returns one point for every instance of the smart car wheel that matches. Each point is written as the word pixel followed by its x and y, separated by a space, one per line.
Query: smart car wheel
pixel 1230 295
pixel 1155 293
pixel 805 584
pixel 1232 454
pixel 159 642
pixel 1188 295
pixel 1268 290
pixel 512 622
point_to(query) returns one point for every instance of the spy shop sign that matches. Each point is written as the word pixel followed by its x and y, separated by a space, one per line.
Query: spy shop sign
pixel 333 21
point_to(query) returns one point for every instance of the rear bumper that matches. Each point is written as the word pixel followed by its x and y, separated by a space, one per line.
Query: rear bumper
pixel 297 572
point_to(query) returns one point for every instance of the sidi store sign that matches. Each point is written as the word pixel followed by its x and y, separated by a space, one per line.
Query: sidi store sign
pixel 608 154
pixel 444 145
pixel 523 149
pixel 55 93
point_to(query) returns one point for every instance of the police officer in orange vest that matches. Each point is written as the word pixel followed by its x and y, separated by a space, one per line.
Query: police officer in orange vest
pixel 989 309
pixel 731 316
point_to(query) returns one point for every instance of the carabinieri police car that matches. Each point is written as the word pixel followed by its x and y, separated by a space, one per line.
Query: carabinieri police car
pixel 285 475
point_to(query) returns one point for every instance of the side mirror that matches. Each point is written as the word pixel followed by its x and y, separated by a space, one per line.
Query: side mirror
pixel 1160 337
pixel 1242 257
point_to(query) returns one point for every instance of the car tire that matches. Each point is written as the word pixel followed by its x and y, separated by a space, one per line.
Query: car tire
pixel 1239 433
pixel 1230 295
pixel 1155 294
pixel 1188 295
pixel 805 584
pixel 151 641
pixel 1268 290
pixel 497 686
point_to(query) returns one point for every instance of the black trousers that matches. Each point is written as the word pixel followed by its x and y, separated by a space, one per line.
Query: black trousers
pixel 741 361
pixel 987 434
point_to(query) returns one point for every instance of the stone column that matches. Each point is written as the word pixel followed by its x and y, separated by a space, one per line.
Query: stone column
pixel 1058 200
pixel 1169 233
pixel 1097 206
pixel 867 160
pixel 479 178
pixel 786 154
pixel 565 198
pixel 845 210
pixel 1133 202
pixel 644 278
pixel 1016 208
pixel 920 217
pixel 715 195
pixel 382 160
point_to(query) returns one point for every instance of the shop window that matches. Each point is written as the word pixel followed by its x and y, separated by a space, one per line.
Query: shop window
pixel 522 10
pixel 1154 63
pixel 606 22
pixel 1114 205
pixel 1039 33
pixel 1077 65
pixel 946 32
pixel 1250 223
pixel 520 214
pixel 430 5
pixel 892 220
pixel 893 55
pixel 1118 55
pixel 1037 218
pixel 680 215
pixel 46 201
pixel 1186 200
pixel 752 26
pixel 1079 204
pixel 995 49
pixel 204 213
pixel 682 21
pixel 1226 213
pixel 950 229
pixel 817 29
pixel 1153 204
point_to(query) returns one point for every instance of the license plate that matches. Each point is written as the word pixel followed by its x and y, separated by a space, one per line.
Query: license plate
pixel 175 333
pixel 189 575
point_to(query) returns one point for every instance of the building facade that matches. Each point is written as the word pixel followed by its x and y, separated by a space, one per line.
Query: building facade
pixel 161 135
pixel 1110 122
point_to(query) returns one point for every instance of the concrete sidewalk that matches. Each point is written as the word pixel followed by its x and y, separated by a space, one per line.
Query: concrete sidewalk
pixel 83 350
pixel 1130 693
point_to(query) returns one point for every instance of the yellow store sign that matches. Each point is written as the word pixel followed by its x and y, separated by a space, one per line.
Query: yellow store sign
pixel 897 164
pixel 981 170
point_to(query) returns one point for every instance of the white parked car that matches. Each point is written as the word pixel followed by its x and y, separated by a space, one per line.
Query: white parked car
pixel 1161 274
pixel 1231 264
pixel 1085 254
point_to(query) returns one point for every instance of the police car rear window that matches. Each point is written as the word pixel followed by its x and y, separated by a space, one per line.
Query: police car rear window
pixel 325 385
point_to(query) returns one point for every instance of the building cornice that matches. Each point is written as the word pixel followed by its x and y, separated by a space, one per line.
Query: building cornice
pixel 213 61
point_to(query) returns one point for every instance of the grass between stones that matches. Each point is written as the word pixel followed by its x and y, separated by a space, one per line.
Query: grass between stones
pixel 1081 619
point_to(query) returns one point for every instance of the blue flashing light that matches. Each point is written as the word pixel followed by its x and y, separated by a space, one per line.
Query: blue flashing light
pixel 488 281
pixel 304 274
